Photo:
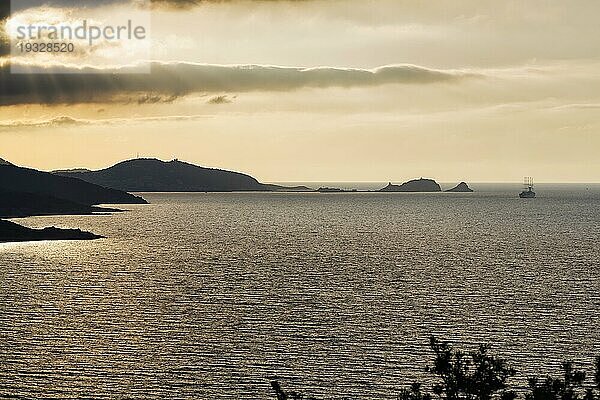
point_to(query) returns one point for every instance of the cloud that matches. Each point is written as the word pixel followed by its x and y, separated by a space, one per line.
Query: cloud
pixel 185 4
pixel 62 84
pixel 4 10
pixel 56 121
pixel 173 4
pixel 219 100
pixel 179 4
pixel 577 106
pixel 21 5
pixel 4 42
pixel 156 98
pixel 4 14
pixel 65 120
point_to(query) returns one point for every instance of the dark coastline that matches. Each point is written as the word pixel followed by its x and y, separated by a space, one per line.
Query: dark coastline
pixel 27 192
pixel 154 175
pixel 11 232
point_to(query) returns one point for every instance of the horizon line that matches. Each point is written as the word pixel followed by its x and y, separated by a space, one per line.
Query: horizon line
pixel 309 181
pixel 443 181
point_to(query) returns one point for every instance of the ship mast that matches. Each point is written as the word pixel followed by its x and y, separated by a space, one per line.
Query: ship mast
pixel 528 182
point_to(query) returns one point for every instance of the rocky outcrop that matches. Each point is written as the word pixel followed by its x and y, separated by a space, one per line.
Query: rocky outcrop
pixel 461 187
pixel 11 232
pixel 415 185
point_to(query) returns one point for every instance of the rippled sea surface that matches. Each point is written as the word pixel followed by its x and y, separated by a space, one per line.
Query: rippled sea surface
pixel 210 296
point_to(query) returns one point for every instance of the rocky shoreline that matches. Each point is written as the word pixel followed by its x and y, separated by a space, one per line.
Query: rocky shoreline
pixel 11 232
pixel 26 192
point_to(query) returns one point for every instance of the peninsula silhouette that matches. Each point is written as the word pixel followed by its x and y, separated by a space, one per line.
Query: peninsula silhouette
pixel 153 175
pixel 11 232
pixel 26 180
pixel 26 192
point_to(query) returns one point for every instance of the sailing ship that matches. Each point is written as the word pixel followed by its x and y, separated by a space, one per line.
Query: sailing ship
pixel 528 193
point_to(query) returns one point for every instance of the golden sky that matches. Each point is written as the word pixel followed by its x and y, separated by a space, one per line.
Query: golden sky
pixel 330 90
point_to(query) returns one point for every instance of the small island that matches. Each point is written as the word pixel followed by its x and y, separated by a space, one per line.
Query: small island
pixel 11 232
pixel 461 188
pixel 334 190
pixel 415 185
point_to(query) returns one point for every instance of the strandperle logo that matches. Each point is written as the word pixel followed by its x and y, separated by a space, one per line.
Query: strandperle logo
pixel 55 33
pixel 85 31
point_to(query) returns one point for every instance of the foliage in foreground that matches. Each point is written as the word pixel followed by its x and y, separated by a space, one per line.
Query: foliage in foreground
pixel 479 375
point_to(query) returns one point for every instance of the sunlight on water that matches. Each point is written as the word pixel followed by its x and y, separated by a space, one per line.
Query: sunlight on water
pixel 210 295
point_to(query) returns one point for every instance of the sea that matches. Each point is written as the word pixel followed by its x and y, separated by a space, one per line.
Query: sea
pixel 335 295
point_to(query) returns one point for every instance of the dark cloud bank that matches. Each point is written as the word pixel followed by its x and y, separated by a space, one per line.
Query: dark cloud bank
pixel 24 4
pixel 58 84
pixel 4 13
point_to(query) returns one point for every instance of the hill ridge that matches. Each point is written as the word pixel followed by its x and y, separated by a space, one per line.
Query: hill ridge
pixel 155 175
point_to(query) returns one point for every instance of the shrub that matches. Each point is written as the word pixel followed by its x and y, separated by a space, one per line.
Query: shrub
pixel 479 375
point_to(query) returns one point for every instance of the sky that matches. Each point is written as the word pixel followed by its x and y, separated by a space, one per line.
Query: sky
pixel 316 90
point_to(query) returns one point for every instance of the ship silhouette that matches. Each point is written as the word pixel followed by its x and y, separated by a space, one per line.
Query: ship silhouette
pixel 528 193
